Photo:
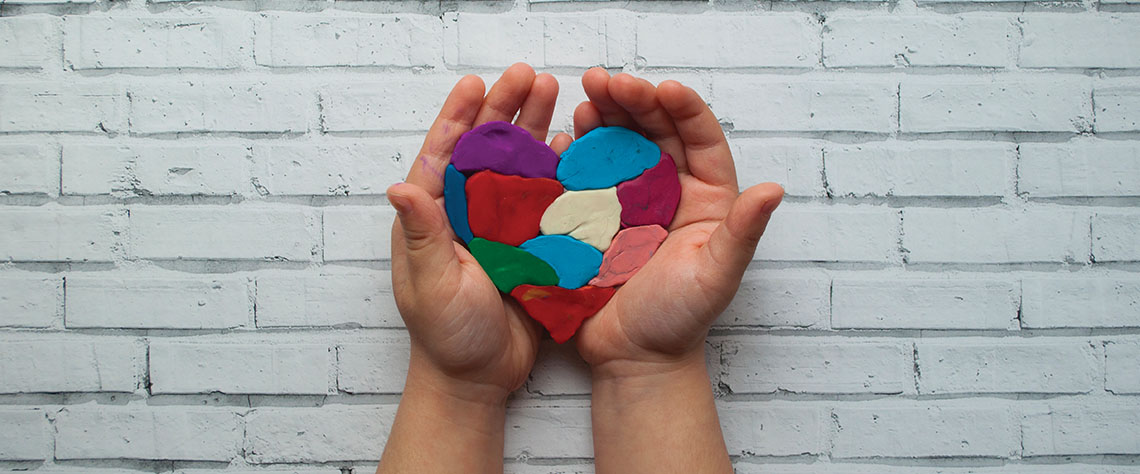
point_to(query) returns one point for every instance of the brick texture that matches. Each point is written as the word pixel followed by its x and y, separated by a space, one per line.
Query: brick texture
pixel 195 241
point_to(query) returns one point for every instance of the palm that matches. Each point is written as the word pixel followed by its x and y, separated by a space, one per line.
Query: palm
pixel 667 307
pixel 457 319
pixel 662 308
pixel 486 338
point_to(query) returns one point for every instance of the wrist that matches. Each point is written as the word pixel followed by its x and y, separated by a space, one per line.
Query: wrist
pixel 427 380
pixel 649 368
pixel 645 380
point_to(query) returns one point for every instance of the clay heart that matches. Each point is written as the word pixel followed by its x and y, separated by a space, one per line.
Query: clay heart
pixel 560 234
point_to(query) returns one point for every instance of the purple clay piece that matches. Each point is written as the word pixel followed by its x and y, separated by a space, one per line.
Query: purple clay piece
pixel 652 198
pixel 505 149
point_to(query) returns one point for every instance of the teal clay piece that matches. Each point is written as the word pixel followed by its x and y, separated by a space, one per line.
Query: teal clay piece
pixel 605 157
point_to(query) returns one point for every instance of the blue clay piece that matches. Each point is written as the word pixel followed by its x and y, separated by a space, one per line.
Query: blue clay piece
pixel 605 157
pixel 575 262
pixel 455 202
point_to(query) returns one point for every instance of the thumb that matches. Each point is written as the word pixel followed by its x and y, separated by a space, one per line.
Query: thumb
pixel 733 242
pixel 420 231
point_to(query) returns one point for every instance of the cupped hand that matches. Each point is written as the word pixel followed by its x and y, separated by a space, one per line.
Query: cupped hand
pixel 662 315
pixel 465 335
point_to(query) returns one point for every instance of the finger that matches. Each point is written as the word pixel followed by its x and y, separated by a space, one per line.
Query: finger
pixel 586 118
pixel 507 95
pixel 706 149
pixel 596 83
pixel 733 242
pixel 421 232
pixel 560 143
pixel 455 118
pixel 538 108
pixel 639 98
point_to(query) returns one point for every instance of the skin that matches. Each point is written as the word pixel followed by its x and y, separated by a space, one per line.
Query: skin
pixel 652 403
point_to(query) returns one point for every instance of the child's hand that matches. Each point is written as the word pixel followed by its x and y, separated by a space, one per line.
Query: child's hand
pixel 465 338
pixel 659 319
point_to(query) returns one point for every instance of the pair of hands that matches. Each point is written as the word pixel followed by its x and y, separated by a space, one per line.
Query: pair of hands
pixel 476 344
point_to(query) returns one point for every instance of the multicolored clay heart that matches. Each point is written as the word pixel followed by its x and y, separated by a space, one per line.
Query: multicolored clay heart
pixel 560 234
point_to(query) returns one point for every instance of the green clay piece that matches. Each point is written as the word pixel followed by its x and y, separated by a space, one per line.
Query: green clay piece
pixel 510 266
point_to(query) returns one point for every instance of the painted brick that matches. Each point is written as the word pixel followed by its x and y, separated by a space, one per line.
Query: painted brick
pixel 46 2
pixel 1093 41
pixel 333 169
pixel 397 104
pixel 327 300
pixel 887 303
pixel 859 467
pixel 821 366
pixel 549 432
pixel 1065 429
pixel 171 433
pixel 924 431
pixel 1117 108
pixel 329 433
pixel 579 40
pixel 1080 301
pixel 28 42
pixel 887 41
pixel 90 108
pixel 1116 236
pixel 300 470
pixel 559 370
pixel 995 235
pixel 25 436
pixel 980 366
pixel 223 233
pixel 33 364
pixel 772 429
pixel 1013 105
pixel 32 301
pixel 211 106
pixel 1079 168
pixel 373 367
pixel 795 165
pixel 474 39
pixel 302 39
pixel 775 300
pixel 758 103
pixel 860 234
pixel 53 234
pixel 29 169
pixel 568 99
pixel 282 367
pixel 358 233
pixel 155 302
pixel 202 169
pixel 101 42
pixel 940 168
pixel 514 468
pixel 1121 376
pixel 789 40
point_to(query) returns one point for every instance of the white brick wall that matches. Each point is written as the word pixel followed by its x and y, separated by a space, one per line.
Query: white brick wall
pixel 159 433
pixel 194 241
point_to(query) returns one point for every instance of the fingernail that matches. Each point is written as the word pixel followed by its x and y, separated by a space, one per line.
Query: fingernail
pixel 770 206
pixel 401 203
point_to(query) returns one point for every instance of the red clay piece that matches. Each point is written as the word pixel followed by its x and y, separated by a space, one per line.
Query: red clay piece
pixel 652 197
pixel 508 209
pixel 561 310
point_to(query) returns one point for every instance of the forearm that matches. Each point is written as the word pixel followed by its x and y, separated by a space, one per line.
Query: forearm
pixel 443 427
pixel 656 418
